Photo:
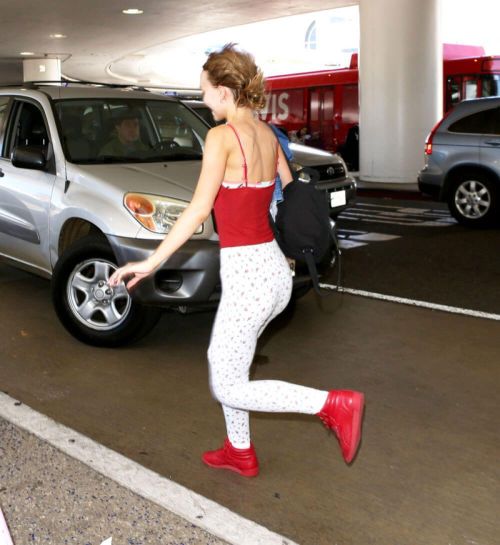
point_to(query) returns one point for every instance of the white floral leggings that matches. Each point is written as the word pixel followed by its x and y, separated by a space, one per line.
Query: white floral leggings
pixel 256 287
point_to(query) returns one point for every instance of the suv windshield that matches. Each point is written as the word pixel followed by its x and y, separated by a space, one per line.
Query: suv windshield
pixel 97 131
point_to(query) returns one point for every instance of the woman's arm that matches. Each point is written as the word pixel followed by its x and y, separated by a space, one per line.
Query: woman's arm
pixel 198 210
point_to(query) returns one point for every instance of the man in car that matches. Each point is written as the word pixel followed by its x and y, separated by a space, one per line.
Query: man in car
pixel 127 138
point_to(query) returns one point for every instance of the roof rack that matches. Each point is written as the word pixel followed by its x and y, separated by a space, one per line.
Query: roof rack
pixel 35 84
pixel 65 81
pixel 188 95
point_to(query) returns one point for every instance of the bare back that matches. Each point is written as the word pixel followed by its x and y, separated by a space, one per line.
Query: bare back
pixel 259 146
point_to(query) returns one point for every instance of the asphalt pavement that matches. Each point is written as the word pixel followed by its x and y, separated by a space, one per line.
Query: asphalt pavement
pixel 416 250
pixel 427 471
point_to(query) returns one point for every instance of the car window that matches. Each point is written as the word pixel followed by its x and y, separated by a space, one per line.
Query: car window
pixel 496 122
pixel 4 104
pixel 206 113
pixel 453 91
pixel 30 129
pixel 470 87
pixel 131 130
pixel 490 85
pixel 478 123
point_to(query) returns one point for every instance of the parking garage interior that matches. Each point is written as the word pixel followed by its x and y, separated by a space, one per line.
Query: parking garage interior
pixel 102 446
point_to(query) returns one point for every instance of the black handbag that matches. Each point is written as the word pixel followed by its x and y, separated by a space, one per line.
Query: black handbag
pixel 304 231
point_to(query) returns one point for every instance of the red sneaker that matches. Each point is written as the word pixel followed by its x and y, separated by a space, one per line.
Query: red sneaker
pixel 343 413
pixel 241 460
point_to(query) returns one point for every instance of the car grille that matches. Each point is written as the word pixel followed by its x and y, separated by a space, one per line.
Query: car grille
pixel 330 172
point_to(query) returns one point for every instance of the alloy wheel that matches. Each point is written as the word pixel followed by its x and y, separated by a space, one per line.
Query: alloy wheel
pixel 92 301
pixel 472 199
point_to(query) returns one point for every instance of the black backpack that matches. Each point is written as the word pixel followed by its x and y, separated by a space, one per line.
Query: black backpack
pixel 303 228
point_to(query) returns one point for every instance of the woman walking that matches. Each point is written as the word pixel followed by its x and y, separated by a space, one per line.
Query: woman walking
pixel 241 161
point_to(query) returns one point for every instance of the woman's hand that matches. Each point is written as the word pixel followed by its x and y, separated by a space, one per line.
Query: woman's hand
pixel 135 272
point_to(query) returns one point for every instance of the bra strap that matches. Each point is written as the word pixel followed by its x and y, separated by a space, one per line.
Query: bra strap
pixel 245 167
pixel 277 156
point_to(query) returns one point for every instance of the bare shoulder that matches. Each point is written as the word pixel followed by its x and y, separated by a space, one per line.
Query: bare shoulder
pixel 216 138
pixel 219 135
pixel 217 132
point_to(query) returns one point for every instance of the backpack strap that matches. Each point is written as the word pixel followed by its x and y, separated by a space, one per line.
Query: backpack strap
pixel 277 157
pixel 245 167
pixel 313 271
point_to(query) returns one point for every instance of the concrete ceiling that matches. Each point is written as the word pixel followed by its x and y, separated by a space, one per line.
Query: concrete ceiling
pixel 99 34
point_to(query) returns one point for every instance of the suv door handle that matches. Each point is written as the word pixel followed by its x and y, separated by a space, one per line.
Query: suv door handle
pixel 493 143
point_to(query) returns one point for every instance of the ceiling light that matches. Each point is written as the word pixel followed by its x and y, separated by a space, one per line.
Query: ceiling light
pixel 26 53
pixel 58 36
pixel 133 11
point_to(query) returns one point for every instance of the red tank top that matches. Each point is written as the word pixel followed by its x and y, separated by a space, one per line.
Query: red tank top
pixel 242 211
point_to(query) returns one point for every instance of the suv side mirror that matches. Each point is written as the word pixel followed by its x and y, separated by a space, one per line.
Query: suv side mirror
pixel 28 157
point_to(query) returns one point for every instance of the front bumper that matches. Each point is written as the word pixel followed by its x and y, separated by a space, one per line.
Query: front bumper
pixel 335 187
pixel 189 277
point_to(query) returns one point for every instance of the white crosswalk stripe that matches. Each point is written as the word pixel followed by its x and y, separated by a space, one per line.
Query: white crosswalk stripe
pixel 386 214
pixel 397 215
pixel 349 239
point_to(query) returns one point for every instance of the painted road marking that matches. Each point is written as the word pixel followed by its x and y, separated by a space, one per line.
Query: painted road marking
pixel 415 303
pixel 397 215
pixel 410 208
pixel 375 237
pixel 202 512
pixel 5 537
pixel 392 220
pixel 350 244
pixel 349 239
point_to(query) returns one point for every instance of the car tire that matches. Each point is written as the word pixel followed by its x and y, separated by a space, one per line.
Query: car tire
pixel 85 308
pixel 473 199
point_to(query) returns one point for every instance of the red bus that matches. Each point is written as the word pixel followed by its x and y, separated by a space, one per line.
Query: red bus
pixel 325 105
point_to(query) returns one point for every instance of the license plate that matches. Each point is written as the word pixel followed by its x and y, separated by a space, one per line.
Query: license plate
pixel 337 198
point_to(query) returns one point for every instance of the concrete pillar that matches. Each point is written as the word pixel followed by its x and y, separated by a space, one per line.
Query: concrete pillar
pixel 400 86
pixel 42 69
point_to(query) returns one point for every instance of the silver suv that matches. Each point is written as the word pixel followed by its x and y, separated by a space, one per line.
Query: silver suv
pixel 91 178
pixel 463 162
pixel 94 177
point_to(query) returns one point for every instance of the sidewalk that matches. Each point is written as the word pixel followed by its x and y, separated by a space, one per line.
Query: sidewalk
pixel 48 497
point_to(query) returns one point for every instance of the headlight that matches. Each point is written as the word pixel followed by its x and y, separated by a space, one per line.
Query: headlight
pixel 342 162
pixel 302 175
pixel 156 213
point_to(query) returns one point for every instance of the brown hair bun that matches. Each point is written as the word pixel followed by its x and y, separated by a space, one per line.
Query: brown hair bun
pixel 237 71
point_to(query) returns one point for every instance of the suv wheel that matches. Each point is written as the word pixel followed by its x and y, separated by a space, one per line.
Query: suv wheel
pixel 87 307
pixel 473 199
